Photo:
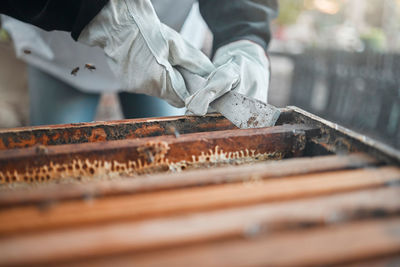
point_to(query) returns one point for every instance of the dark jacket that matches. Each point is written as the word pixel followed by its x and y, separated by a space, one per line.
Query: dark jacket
pixel 229 20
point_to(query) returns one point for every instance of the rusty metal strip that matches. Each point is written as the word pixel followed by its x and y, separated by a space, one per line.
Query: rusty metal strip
pixel 150 155
pixel 231 174
pixel 252 221
pixel 139 207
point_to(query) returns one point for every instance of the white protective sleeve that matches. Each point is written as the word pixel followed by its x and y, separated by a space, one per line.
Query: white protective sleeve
pixel 151 58
pixel 148 56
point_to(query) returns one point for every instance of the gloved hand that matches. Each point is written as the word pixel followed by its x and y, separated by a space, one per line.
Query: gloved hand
pixel 241 59
pixel 252 66
pixel 153 59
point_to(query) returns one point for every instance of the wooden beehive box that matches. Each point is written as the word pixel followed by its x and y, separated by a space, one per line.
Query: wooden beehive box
pixel 196 191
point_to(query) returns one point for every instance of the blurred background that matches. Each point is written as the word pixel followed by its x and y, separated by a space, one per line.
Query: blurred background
pixel 338 59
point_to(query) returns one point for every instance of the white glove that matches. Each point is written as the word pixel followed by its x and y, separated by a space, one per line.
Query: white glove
pixel 252 65
pixel 244 60
pixel 153 59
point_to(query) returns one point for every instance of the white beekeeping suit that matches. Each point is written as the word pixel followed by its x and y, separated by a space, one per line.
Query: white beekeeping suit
pixel 57 54
pixel 148 57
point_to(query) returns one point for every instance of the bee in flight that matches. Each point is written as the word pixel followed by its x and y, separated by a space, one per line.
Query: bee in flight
pixel 75 71
pixel 90 67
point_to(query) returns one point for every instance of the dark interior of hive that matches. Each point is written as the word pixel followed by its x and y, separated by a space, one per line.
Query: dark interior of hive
pixel 138 148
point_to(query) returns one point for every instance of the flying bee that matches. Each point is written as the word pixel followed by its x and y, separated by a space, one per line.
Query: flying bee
pixel 90 67
pixel 75 71
pixel 27 52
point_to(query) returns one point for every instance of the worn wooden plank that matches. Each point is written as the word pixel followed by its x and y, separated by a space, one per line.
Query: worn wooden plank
pixel 389 261
pixel 337 138
pixel 230 224
pixel 317 247
pixel 149 155
pixel 231 174
pixel 107 131
pixel 117 130
pixel 143 206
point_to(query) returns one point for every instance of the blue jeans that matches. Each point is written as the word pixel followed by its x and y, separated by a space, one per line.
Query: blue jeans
pixel 54 102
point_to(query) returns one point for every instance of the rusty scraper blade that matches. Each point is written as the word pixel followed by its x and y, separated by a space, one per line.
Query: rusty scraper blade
pixel 246 112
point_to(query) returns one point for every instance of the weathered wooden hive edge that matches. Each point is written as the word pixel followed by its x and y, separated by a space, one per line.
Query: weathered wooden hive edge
pixel 333 131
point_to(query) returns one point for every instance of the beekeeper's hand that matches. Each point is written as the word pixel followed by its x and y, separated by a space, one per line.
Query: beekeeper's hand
pixel 153 59
pixel 244 60
pixel 252 65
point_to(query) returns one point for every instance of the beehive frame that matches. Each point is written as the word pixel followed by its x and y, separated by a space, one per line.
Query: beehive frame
pixel 306 192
